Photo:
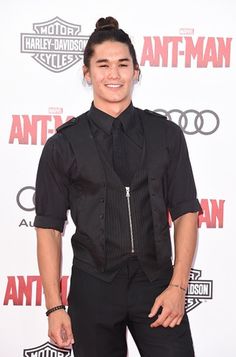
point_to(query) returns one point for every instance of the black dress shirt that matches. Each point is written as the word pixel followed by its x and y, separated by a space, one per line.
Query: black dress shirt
pixel 58 169
pixel 101 126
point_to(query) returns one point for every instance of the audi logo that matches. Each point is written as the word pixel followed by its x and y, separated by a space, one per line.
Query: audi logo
pixel 25 198
pixel 191 121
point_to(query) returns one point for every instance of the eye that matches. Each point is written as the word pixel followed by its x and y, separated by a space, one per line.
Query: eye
pixel 103 65
pixel 123 65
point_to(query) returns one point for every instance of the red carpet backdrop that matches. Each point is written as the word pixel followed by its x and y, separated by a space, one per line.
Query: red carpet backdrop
pixel 187 53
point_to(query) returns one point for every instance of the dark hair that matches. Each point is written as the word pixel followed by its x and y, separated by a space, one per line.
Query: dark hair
pixel 107 29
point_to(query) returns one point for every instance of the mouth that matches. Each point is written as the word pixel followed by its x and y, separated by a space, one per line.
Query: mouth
pixel 113 85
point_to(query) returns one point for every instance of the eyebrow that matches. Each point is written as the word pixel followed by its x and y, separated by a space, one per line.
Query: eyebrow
pixel 102 60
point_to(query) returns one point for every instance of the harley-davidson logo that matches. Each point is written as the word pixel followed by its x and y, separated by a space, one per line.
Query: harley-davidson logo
pixel 198 290
pixel 56 44
pixel 47 350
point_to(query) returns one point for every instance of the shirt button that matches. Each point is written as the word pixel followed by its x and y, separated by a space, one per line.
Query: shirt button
pixel 102 200
pixel 102 216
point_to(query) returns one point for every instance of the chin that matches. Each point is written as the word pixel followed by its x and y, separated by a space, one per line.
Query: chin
pixel 117 98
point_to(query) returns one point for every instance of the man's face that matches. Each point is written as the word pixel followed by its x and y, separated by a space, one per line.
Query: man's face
pixel 111 74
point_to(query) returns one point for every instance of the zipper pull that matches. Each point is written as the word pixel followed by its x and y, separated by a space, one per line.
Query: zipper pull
pixel 127 191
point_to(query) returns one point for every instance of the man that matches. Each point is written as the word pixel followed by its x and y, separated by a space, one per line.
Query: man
pixel 119 170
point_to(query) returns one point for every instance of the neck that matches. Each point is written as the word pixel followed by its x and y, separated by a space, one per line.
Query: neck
pixel 113 109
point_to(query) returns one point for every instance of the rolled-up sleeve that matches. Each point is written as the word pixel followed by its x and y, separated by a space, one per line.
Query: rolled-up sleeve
pixel 52 182
pixel 181 189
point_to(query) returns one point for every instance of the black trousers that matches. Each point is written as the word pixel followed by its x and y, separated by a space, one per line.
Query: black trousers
pixel 101 311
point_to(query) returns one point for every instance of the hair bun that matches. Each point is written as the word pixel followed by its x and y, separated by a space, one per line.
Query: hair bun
pixel 107 23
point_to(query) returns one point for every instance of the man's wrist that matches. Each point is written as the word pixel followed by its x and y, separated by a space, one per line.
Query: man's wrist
pixel 178 286
pixel 180 276
pixel 53 301
pixel 55 308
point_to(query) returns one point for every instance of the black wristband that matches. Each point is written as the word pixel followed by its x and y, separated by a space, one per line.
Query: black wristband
pixel 55 308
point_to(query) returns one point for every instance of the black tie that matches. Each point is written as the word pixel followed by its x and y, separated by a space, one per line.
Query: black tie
pixel 120 162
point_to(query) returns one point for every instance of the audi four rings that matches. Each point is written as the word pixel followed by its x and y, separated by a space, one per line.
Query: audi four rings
pixel 191 121
pixel 25 198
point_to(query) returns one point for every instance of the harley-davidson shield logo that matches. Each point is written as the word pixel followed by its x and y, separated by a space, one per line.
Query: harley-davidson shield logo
pixel 47 350
pixel 55 44
pixel 198 290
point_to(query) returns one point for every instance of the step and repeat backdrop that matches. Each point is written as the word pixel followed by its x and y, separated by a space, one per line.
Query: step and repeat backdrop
pixel 187 55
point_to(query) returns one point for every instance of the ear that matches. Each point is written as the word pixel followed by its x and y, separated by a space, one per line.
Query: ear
pixel 86 73
pixel 136 73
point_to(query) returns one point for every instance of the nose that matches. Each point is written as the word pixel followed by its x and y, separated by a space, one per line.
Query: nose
pixel 114 72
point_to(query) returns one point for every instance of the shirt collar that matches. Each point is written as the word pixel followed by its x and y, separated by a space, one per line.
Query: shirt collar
pixel 104 121
pixel 131 123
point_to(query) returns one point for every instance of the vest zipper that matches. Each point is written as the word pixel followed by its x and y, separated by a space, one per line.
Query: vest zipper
pixel 130 218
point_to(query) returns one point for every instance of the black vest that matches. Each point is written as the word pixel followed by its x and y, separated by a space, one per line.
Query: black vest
pixel 95 208
pixel 128 220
